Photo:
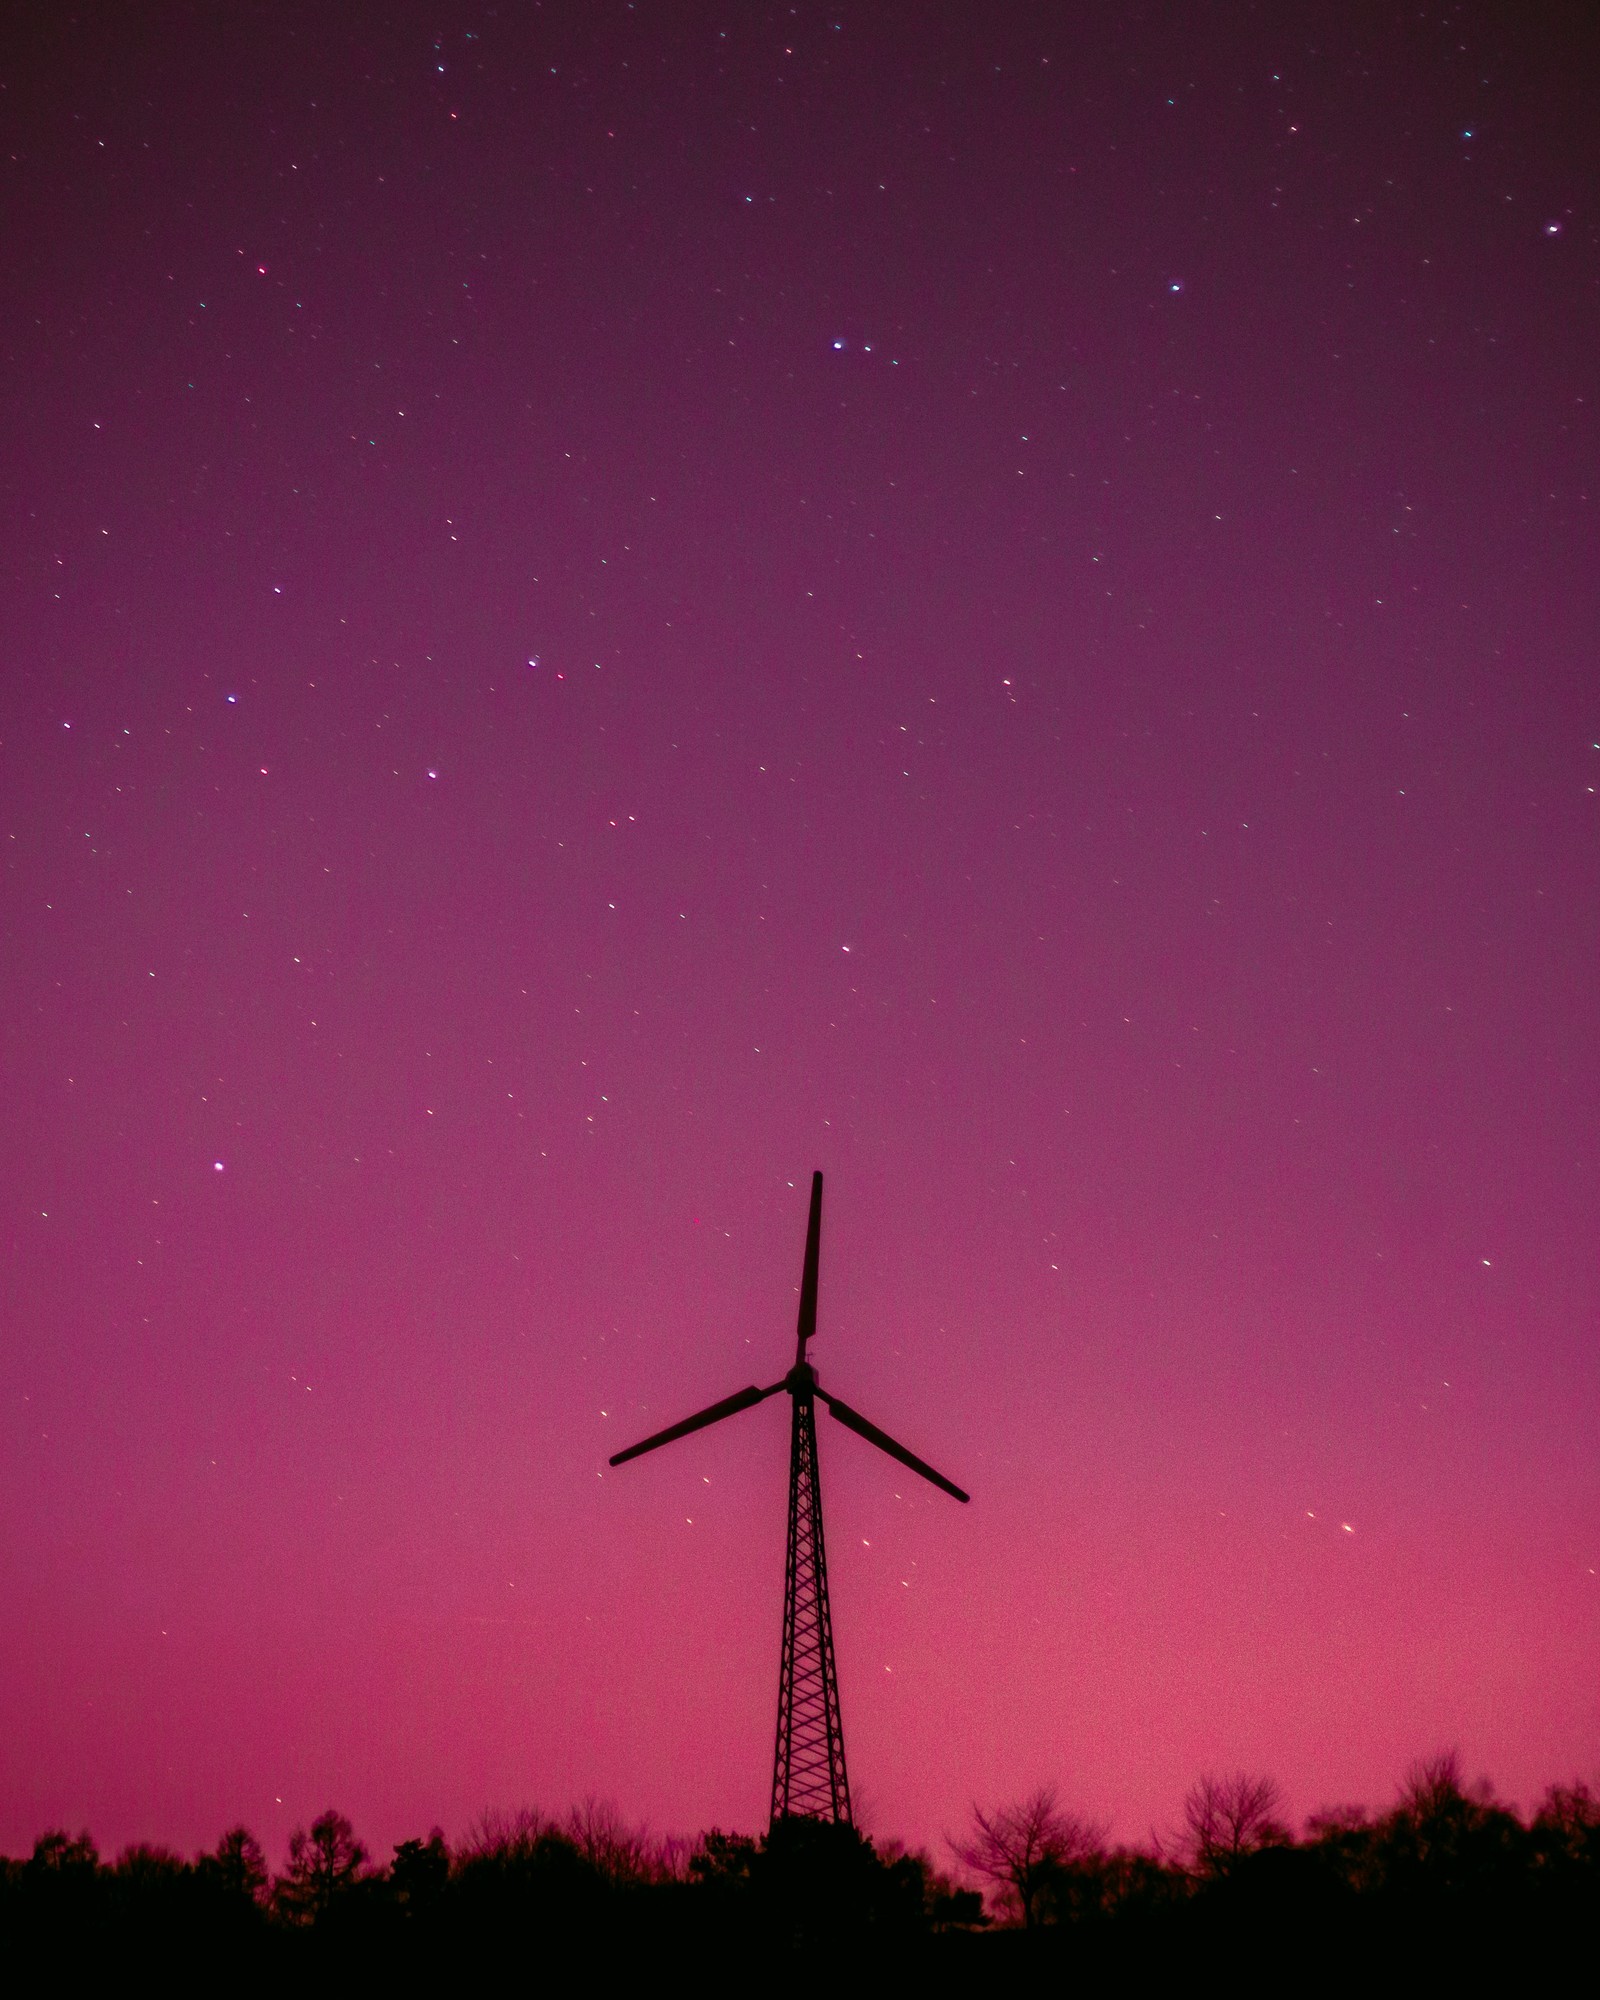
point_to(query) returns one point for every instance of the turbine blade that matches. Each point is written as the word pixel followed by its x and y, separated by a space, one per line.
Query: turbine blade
pixel 808 1275
pixel 730 1406
pixel 852 1420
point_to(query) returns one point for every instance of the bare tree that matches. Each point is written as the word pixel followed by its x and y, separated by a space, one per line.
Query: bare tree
pixel 507 1836
pixel 1567 1825
pixel 617 1852
pixel 1436 1811
pixel 1225 1818
pixel 147 1868
pixel 1432 1788
pixel 1024 1849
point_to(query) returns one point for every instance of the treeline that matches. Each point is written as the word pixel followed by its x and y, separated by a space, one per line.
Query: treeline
pixel 1449 1882
pixel 1445 1861
pixel 523 1886
pixel 1446 1867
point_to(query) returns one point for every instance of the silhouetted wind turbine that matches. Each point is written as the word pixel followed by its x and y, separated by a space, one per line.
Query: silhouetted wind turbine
pixel 808 1774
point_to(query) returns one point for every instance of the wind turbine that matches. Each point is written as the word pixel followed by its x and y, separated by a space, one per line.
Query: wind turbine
pixel 808 1773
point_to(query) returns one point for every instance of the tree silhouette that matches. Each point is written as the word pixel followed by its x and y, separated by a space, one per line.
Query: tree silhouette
pixel 1023 1849
pixel 618 1853
pixel 497 1835
pixel 1443 1841
pixel 238 1869
pixel 63 1886
pixel 324 1866
pixel 1348 1842
pixel 419 1875
pixel 722 1859
pixel 820 1886
pixel 520 1869
pixel 1227 1818
pixel 1432 1796
pixel 1567 1825
pixel 945 1904
pixel 56 1853
pixel 149 1891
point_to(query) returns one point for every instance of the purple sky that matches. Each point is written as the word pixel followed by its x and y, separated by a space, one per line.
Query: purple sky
pixel 605 605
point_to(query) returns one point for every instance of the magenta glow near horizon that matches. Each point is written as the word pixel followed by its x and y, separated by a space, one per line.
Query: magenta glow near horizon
pixel 607 606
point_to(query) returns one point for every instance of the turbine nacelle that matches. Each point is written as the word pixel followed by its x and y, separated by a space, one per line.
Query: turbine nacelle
pixel 800 1383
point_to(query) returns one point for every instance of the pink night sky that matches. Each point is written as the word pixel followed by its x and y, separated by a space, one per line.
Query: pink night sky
pixel 605 605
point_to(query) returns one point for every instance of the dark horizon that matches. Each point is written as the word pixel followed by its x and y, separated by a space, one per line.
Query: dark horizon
pixel 1448 1869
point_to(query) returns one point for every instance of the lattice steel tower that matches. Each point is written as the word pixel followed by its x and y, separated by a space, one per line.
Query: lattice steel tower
pixel 808 1773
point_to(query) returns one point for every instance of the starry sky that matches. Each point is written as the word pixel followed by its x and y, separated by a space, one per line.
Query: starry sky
pixel 604 605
